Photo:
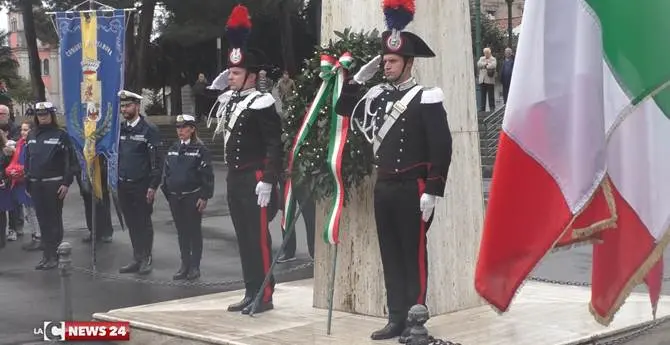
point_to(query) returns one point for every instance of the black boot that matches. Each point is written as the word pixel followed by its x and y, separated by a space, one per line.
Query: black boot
pixel 51 263
pixel 42 263
pixel 194 272
pixel 130 268
pixel 145 266
pixel 239 306
pixel 183 271
pixel 261 307
pixel 391 330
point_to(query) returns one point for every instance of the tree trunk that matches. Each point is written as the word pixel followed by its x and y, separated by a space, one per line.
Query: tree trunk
pixel 509 23
pixel 34 62
pixel 129 75
pixel 143 37
pixel 288 54
pixel 315 17
pixel 175 92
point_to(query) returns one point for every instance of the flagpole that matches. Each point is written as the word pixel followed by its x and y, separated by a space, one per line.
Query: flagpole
pixel 331 291
pixel 94 223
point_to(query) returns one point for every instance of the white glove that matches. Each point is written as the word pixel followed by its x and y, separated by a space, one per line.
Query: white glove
pixel 368 70
pixel 220 82
pixel 264 192
pixel 427 205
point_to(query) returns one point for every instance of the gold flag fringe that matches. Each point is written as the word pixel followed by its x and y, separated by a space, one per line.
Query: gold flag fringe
pixel 609 197
pixel 574 245
pixel 609 223
pixel 634 281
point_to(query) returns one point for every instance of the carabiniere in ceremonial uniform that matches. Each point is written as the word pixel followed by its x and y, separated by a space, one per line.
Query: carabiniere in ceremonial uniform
pixel 139 177
pixel 407 126
pixel 188 183
pixel 50 167
pixel 252 134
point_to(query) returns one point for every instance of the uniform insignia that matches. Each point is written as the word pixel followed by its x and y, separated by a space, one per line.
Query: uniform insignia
pixel 432 95
pixel 263 102
pixel 235 56
pixel 394 42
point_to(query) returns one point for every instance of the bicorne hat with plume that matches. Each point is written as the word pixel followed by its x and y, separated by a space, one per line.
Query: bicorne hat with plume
pixel 238 29
pixel 398 14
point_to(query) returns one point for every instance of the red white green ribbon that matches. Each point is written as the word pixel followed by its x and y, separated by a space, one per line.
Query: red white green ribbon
pixel 333 73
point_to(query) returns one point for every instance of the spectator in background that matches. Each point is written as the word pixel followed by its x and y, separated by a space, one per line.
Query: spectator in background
pixel 487 81
pixel 199 92
pixel 286 87
pixel 264 83
pixel 506 72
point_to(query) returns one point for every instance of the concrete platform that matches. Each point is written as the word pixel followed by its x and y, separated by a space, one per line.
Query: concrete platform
pixel 541 314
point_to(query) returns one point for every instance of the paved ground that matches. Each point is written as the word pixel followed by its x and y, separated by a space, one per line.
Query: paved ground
pixel 28 297
pixel 575 266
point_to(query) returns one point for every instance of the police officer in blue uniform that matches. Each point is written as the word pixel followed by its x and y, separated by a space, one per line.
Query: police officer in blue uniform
pixel 139 177
pixel 252 135
pixel 407 126
pixel 50 167
pixel 188 183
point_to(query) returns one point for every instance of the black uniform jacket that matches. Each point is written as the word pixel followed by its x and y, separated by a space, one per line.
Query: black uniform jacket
pixel 50 154
pixel 418 145
pixel 255 138
pixel 138 153
pixel 188 169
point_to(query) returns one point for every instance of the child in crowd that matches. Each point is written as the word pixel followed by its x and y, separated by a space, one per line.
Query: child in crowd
pixel 15 172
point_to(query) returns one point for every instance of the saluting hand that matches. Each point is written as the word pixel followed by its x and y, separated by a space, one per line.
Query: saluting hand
pixel 62 191
pixel 151 193
pixel 201 205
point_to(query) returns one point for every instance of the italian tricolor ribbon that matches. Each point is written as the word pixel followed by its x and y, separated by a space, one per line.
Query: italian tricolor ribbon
pixel 333 73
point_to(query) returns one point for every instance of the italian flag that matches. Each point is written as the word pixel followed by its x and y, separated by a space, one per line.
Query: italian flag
pixel 584 155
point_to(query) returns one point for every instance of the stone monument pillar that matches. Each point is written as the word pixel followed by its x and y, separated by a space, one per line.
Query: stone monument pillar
pixel 456 229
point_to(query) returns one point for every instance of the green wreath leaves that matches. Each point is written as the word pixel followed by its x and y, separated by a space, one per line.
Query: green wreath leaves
pixel 310 167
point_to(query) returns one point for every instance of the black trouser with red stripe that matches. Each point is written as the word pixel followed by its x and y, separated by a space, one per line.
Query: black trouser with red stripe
pixel 402 241
pixel 251 228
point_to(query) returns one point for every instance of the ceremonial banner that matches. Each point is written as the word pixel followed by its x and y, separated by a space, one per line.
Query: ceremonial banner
pixel 92 56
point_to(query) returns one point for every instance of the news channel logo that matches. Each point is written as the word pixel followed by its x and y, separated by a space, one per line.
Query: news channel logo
pixel 51 330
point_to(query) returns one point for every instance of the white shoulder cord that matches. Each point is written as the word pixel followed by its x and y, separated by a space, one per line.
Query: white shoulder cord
pixel 209 116
pixel 369 126
pixel 221 116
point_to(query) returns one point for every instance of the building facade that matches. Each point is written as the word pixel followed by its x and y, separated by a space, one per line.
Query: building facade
pixel 497 9
pixel 49 58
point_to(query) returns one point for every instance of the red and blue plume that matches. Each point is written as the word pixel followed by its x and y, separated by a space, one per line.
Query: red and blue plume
pixel 238 27
pixel 398 13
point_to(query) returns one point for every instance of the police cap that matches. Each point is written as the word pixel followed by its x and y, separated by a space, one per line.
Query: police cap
pixel 128 97
pixel 44 108
pixel 185 120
